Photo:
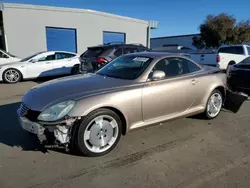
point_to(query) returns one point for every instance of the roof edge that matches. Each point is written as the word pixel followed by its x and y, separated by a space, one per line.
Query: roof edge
pixel 75 10
pixel 188 35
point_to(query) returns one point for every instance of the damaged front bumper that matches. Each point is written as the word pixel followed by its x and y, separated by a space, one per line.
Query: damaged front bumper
pixel 52 133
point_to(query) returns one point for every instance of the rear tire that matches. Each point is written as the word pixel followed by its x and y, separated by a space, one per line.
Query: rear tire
pixel 99 133
pixel 12 76
pixel 214 105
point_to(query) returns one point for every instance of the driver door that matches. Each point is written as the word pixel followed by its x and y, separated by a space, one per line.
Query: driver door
pixel 171 96
pixel 41 65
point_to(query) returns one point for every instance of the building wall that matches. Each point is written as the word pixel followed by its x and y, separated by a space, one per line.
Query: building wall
pixel 182 40
pixel 25 27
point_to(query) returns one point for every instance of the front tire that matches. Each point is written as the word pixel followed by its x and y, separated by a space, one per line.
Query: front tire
pixel 12 76
pixel 214 104
pixel 99 133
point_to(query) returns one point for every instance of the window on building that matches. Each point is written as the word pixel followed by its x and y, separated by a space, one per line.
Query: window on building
pixel 113 37
pixel 61 39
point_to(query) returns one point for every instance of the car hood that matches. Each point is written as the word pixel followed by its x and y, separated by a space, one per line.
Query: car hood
pixel 70 88
pixel 12 64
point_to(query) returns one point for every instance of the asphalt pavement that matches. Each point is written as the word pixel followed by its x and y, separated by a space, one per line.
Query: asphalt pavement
pixel 189 152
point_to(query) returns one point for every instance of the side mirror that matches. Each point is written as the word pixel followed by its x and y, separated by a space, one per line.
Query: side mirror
pixel 158 75
pixel 33 60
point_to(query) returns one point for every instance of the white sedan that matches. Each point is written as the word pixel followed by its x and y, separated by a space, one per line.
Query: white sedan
pixel 6 57
pixel 42 64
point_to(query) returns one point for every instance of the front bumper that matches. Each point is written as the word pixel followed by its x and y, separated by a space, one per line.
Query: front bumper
pixel 61 130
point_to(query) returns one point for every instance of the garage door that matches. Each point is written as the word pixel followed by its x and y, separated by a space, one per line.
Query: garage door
pixel 61 39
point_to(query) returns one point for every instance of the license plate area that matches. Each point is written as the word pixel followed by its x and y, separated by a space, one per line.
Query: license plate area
pixel 32 127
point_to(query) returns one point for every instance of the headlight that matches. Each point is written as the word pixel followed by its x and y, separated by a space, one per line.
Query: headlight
pixel 56 111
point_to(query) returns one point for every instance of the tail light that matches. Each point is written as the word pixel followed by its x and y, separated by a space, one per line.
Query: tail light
pixel 101 60
pixel 217 58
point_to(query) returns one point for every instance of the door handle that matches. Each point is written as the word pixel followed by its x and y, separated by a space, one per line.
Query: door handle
pixel 48 62
pixel 193 82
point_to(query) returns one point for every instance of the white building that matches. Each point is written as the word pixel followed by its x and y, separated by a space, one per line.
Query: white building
pixel 27 29
pixel 181 40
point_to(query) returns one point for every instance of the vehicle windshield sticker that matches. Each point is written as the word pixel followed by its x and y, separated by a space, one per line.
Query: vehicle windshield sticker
pixel 142 59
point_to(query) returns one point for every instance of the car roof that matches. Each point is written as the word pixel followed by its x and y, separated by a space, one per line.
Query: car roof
pixel 59 52
pixel 118 45
pixel 156 54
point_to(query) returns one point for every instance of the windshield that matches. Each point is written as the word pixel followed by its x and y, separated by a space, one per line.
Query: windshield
pixel 126 67
pixel 30 57
pixel 245 61
pixel 92 52
pixel 8 53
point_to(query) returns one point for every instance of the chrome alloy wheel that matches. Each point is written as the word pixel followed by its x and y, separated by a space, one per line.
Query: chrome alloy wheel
pixel 11 76
pixel 214 104
pixel 101 133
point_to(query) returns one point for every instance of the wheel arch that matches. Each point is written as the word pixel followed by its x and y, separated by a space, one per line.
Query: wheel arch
pixel 121 115
pixel 221 88
pixel 8 68
pixel 232 62
pixel 110 107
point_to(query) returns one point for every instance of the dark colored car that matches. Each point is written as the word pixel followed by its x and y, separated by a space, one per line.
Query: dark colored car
pixel 238 76
pixel 96 57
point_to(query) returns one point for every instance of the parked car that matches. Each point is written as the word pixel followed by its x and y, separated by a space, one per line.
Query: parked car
pixel 97 56
pixel 224 57
pixel 173 48
pixel 239 76
pixel 6 57
pixel 41 64
pixel 90 112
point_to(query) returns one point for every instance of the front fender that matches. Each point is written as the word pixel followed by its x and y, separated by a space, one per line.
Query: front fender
pixel 128 102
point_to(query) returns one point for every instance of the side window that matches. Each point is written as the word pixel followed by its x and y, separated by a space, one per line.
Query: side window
pixel 47 58
pixel 245 61
pixel 248 50
pixel 69 55
pixel 142 49
pixel 175 66
pixel 232 50
pixel 118 52
pixel 63 56
pixel 2 55
pixel 129 50
pixel 192 67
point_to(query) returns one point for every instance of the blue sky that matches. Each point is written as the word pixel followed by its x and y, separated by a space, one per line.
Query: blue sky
pixel 176 17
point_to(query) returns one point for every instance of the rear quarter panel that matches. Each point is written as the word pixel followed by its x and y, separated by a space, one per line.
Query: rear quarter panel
pixel 206 84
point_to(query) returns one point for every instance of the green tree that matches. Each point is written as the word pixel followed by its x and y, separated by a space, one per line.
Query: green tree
pixel 221 29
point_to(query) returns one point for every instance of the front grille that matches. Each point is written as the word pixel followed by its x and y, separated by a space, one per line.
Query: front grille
pixel 23 109
pixel 28 113
pixel 32 115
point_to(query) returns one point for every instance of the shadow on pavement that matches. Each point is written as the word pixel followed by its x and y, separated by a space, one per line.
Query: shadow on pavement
pixel 11 134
